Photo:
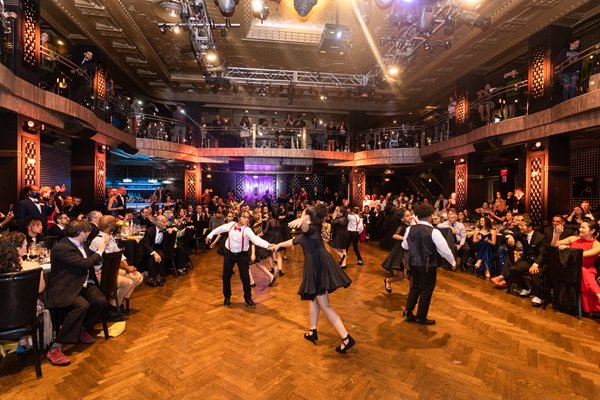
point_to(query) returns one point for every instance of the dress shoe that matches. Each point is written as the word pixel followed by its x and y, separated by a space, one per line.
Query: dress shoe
pixel 273 280
pixel 57 357
pixel 360 262
pixel 151 282
pixel 250 303
pixel 525 292
pixel 387 289
pixel 281 273
pixel 312 337
pixel 342 260
pixel 410 317
pixel 227 302
pixel 253 284
pixel 160 282
pixel 424 321
pixel 124 310
pixel 347 342
pixel 536 301
pixel 85 337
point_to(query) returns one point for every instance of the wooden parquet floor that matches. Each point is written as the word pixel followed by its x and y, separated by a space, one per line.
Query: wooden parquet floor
pixel 182 344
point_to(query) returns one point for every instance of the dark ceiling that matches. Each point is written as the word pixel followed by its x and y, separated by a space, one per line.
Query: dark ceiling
pixel 162 65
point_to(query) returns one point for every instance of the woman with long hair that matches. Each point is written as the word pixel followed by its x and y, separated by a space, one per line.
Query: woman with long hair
pixel 339 234
pixel 484 239
pixel 321 275
pixel 112 205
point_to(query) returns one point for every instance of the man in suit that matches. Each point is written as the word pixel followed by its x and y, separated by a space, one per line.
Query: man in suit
pixel 93 218
pixel 32 206
pixel 155 244
pixel 70 208
pixel 58 229
pixel 84 76
pixel 518 202
pixel 144 217
pixel 531 263
pixel 553 230
pixel 73 287
pixel 122 200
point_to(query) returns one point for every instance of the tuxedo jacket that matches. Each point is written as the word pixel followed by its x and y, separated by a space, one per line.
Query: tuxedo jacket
pixel 163 248
pixel 121 202
pixel 535 251
pixel 55 230
pixel 549 233
pixel 69 271
pixel 27 208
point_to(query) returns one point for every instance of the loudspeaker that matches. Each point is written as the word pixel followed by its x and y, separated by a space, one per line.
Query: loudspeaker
pixel 78 128
pixel 489 144
pixel 127 148
pixel 236 164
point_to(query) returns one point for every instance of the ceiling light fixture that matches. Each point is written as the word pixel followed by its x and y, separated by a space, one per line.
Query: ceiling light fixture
pixel 172 8
pixel 260 9
pixel 227 7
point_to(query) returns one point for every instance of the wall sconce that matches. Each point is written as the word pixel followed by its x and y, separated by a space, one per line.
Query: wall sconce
pixel 103 148
pixel 30 126
pixel 460 180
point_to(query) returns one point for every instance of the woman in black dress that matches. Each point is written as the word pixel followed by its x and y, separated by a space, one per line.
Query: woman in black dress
pixel 395 261
pixel 339 234
pixel 259 256
pixel 285 229
pixel 272 234
pixel 321 275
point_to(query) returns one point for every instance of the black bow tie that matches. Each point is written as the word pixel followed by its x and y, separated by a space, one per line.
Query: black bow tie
pixel 162 230
pixel 36 201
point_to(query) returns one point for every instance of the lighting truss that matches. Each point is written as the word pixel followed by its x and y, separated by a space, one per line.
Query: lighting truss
pixel 401 48
pixel 195 18
pixel 296 78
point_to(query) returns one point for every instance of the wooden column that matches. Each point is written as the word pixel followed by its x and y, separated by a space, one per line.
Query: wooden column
pixel 88 173
pixel 357 186
pixel 466 91
pixel 475 181
pixel 536 183
pixel 461 184
pixel 193 184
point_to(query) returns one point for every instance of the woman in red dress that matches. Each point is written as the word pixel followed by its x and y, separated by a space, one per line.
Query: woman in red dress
pixel 590 287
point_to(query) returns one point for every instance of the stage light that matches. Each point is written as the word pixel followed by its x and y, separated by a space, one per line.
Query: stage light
pixel 393 70
pixel 227 7
pixel 212 56
pixel 103 148
pixel 260 9
pixel 30 124
pixel 303 7
pixel 208 176
pixel 176 29
pixel 152 180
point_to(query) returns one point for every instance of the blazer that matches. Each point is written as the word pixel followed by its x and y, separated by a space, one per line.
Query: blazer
pixel 549 233
pixel 69 271
pixel 27 208
pixel 54 230
pixel 534 252
pixel 148 245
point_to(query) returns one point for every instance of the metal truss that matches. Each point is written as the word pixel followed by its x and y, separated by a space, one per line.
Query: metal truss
pixel 296 78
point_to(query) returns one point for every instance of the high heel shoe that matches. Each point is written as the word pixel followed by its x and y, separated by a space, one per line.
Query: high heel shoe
pixel 385 283
pixel 272 281
pixel 313 337
pixel 342 261
pixel 347 346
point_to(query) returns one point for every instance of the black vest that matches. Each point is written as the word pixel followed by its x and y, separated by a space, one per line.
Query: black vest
pixel 421 249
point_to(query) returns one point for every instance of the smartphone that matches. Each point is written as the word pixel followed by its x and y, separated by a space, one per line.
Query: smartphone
pixel 10 209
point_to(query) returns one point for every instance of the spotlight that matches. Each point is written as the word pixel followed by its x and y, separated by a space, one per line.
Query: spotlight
pixel 260 9
pixel 31 127
pixel 393 70
pixel 303 7
pixel 227 7
pixel 538 145
pixel 103 148
pixel 212 56
pixel 176 29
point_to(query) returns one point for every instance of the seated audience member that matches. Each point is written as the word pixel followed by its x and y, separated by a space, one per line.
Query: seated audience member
pixel 34 231
pixel 576 217
pixel 73 287
pixel 460 235
pixel 70 208
pixel 13 246
pixel 590 282
pixel 6 220
pixel 128 278
pixel 58 229
pixel 93 218
pixel 532 262
pixel 145 217
pixel 587 211
pixel 557 229
pixel 154 256
pixel 508 254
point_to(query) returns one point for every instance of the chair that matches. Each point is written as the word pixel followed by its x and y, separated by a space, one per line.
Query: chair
pixel 169 252
pixel 564 272
pixel 108 282
pixel 18 296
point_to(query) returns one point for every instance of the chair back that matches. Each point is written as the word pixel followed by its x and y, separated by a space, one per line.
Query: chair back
pixel 565 273
pixel 110 273
pixel 18 298
pixel 51 241
pixel 168 246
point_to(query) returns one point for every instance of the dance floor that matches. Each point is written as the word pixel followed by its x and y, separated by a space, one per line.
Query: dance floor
pixel 182 344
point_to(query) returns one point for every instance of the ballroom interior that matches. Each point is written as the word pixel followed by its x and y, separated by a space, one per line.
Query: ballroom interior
pixel 176 100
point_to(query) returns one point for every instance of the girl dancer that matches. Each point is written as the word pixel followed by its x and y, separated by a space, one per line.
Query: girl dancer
pixel 258 256
pixel 395 261
pixel 339 234
pixel 272 234
pixel 321 275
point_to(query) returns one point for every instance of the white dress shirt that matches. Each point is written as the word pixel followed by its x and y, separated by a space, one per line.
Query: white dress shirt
pixel 239 237
pixel 438 240
pixel 354 223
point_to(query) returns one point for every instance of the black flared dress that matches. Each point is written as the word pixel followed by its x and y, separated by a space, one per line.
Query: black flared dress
pixel 339 233
pixel 272 231
pixel 285 229
pixel 321 273
pixel 260 252
pixel 396 258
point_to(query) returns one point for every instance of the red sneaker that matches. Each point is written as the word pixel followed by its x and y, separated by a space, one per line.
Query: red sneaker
pixel 86 338
pixel 57 357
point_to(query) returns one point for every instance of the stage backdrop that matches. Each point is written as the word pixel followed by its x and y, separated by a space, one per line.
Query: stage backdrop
pixel 252 187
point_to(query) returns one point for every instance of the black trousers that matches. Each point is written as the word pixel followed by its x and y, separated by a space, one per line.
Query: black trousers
pixel 422 284
pixel 84 312
pixel 520 270
pixel 241 259
pixel 354 239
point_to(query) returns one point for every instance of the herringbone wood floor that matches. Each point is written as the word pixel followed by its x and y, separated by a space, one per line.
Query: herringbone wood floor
pixel 182 344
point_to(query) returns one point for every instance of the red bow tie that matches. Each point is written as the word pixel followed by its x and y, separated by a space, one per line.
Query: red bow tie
pixel 237 228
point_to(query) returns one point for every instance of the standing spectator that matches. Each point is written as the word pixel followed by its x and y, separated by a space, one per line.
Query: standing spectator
pixel 179 129
pixel 83 77
pixel 571 68
pixel 32 206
